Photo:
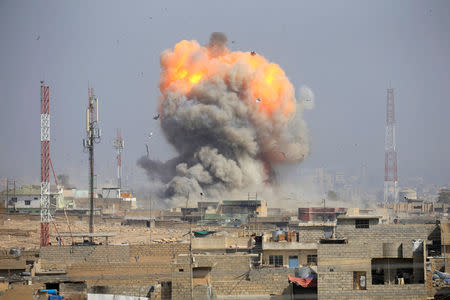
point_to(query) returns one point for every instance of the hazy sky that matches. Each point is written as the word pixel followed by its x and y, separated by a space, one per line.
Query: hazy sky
pixel 346 51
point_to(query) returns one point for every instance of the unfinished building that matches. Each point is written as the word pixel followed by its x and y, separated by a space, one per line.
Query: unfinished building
pixel 368 260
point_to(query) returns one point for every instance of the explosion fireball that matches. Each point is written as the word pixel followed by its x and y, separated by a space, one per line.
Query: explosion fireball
pixel 231 116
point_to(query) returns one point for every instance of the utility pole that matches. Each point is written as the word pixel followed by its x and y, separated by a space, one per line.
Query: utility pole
pixel 445 250
pixel 190 260
pixel 151 228
pixel 7 195
pixel 8 200
pixel 93 136
pixel 190 250
pixel 14 193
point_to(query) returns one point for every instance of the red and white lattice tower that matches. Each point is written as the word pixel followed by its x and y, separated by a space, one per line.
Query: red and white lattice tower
pixel 45 165
pixel 390 164
pixel 119 145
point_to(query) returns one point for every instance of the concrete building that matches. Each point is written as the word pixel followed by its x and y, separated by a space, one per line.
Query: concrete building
pixel 445 244
pixel 221 244
pixel 412 206
pixel 375 261
pixel 319 214
pixel 243 207
pixel 407 194
pixel 26 199
pixel 355 257
pixel 291 254
pixel 111 206
pixel 444 196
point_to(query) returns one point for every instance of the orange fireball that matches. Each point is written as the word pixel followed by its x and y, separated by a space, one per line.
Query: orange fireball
pixel 189 64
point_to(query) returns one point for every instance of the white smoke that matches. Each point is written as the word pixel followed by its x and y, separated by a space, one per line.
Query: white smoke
pixel 307 97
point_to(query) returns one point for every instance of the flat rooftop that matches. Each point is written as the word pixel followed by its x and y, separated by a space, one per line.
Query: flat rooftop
pixel 81 234
pixel 359 217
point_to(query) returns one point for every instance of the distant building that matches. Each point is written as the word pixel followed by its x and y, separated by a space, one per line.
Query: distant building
pixel 285 250
pixel 319 214
pixel 444 196
pixel 376 261
pixel 26 199
pixel 111 192
pixel 111 200
pixel 339 179
pixel 407 194
pixel 243 207
pixel 416 207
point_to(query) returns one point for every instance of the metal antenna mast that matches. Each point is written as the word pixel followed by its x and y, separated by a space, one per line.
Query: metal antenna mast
pixel 390 163
pixel 119 144
pixel 93 136
pixel 45 165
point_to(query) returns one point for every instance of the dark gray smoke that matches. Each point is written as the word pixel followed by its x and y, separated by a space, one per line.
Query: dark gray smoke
pixel 218 44
pixel 230 117
pixel 64 180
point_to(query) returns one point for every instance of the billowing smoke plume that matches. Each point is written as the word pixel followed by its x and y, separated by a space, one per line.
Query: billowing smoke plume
pixel 64 180
pixel 230 115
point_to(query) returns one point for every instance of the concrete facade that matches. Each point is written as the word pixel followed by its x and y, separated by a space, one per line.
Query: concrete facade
pixel 229 275
pixel 388 247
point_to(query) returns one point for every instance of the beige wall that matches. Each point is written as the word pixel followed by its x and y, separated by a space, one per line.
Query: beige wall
pixel 302 256
pixel 337 262
pixel 4 285
pixel 262 210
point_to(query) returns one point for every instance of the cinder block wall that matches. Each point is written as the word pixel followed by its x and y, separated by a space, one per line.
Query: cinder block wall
pixel 337 262
pixel 63 256
pixel 230 275
pixel 158 252
pixel 302 256
pixel 126 270
pixel 310 234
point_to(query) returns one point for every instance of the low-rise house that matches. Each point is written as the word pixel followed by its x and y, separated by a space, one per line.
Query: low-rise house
pixel 221 244
pixel 26 199
pixel 319 214
pixel 369 260
pixel 291 254
pixel 251 207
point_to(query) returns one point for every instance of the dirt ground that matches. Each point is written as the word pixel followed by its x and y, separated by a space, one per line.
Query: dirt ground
pixel 24 233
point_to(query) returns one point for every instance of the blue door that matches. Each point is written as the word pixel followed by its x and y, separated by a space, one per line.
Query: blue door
pixel 293 261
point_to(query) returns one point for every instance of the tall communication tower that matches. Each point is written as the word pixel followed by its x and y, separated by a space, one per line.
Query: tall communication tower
pixel 45 165
pixel 119 145
pixel 93 136
pixel 390 163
